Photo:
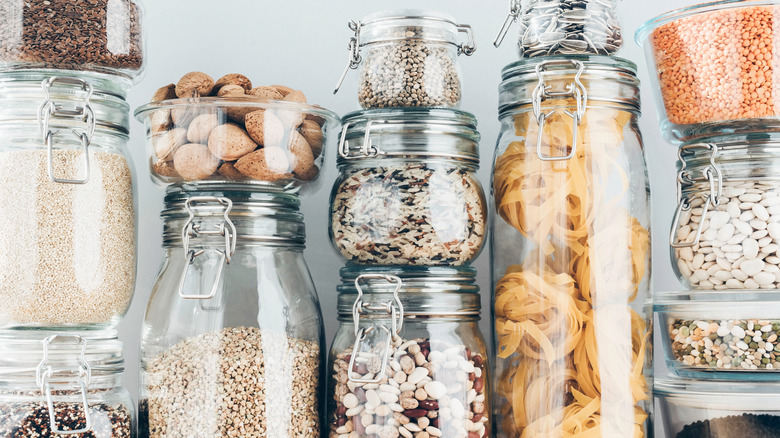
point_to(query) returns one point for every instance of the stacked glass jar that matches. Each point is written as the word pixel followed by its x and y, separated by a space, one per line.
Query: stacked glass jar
pixel 715 67
pixel 409 215
pixel 68 228
pixel 571 234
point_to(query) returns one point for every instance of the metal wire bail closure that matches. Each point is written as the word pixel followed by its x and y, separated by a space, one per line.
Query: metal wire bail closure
pixel 470 46
pixel 45 372
pixel 49 109
pixel 511 18
pixel 192 230
pixel 574 90
pixel 394 308
pixel 368 150
pixel 711 174
pixel 354 59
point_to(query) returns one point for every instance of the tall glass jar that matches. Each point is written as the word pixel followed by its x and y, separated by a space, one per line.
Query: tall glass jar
pixel 233 329
pixel 571 250
pixel 67 200
pixel 407 191
pixel 65 383
pixel 408 359
pixel 408 58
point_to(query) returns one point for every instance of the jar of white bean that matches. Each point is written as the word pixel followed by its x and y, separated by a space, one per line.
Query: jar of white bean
pixel 726 230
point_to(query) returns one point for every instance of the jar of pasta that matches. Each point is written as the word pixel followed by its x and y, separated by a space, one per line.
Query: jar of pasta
pixel 571 249
pixel 726 230
pixel 407 191
pixel 408 359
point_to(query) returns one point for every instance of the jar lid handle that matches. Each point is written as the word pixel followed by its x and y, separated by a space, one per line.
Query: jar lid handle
pixel 354 52
pixel 511 18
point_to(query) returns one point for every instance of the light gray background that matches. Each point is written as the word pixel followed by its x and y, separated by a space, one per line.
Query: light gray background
pixel 303 44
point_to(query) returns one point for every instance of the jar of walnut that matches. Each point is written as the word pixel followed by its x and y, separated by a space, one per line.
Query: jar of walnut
pixel 408 359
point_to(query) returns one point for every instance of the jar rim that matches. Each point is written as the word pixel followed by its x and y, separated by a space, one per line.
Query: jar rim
pixel 372 26
pixel 690 390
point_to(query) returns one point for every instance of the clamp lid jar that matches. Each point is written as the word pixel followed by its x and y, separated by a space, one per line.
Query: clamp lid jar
pixel 410 59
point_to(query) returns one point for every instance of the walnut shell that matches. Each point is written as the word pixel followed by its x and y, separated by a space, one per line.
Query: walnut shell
pixel 160 121
pixel 164 168
pixel 231 91
pixel 229 171
pixel 266 93
pixel 201 126
pixel 282 89
pixel 232 79
pixel 230 142
pixel 296 96
pixel 194 162
pixel 166 142
pixel 312 132
pixel 194 84
pixel 267 164
pixel 265 127
pixel 302 158
pixel 165 93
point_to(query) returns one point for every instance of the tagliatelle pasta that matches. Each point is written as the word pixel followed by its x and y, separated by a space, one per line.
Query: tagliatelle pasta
pixel 572 345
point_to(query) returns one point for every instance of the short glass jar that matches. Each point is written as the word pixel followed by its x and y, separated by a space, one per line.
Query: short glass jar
pixel 233 329
pixel 104 36
pixel 715 409
pixel 726 230
pixel 67 200
pixel 408 58
pixel 407 191
pixel 408 358
pixel 57 384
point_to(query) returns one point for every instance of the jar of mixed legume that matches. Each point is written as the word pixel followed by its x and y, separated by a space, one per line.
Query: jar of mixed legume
pixel 67 200
pixel 408 58
pixel 63 383
pixel 407 191
pixel 726 230
pixel 408 359
pixel 233 329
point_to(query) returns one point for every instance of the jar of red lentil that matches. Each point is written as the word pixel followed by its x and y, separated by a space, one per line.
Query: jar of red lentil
pixel 66 383
pixel 408 358
pixel 571 252
pixel 67 200
pixel 715 68
pixel 103 36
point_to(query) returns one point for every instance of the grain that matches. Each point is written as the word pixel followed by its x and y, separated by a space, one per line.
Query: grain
pixel 241 382
pixel 72 34
pixel 68 250
pixel 718 66
pixel 31 420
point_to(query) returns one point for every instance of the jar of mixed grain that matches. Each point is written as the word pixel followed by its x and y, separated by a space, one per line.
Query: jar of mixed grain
pixel 67 201
pixel 408 58
pixel 726 230
pixel 58 384
pixel 571 252
pixel 408 359
pixel 104 36
pixel 407 191
pixel 233 329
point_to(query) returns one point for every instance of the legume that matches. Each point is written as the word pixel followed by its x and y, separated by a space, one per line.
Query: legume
pixel 31 420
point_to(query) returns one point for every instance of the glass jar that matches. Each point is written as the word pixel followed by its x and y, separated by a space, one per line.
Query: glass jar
pixel 407 191
pixel 233 329
pixel 408 358
pixel 564 27
pixel 95 35
pixel 56 384
pixel 67 200
pixel 715 68
pixel 726 230
pixel 714 409
pixel 571 252
pixel 410 59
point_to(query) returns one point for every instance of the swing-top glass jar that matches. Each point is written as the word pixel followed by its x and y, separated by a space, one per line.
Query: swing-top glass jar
pixel 58 384
pixel 67 201
pixel 233 329
pixel 407 191
pixel 571 252
pixel 408 358
pixel 408 58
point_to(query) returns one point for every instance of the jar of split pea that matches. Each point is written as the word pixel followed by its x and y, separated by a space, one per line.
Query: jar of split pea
pixel 571 252
pixel 726 230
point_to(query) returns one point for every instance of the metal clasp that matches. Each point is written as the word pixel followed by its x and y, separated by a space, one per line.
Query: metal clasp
pixel 511 18
pixel 354 59
pixel 193 230
pixel 394 308
pixel 470 46
pixel 49 108
pixel 574 90
pixel 368 150
pixel 711 174
pixel 45 372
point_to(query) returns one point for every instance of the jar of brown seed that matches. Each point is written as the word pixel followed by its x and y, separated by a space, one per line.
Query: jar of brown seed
pixel 54 384
pixel 408 359
pixel 408 58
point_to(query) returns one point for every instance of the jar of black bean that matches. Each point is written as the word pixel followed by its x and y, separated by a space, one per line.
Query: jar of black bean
pixel 407 192
pixel 408 58
pixel 56 384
